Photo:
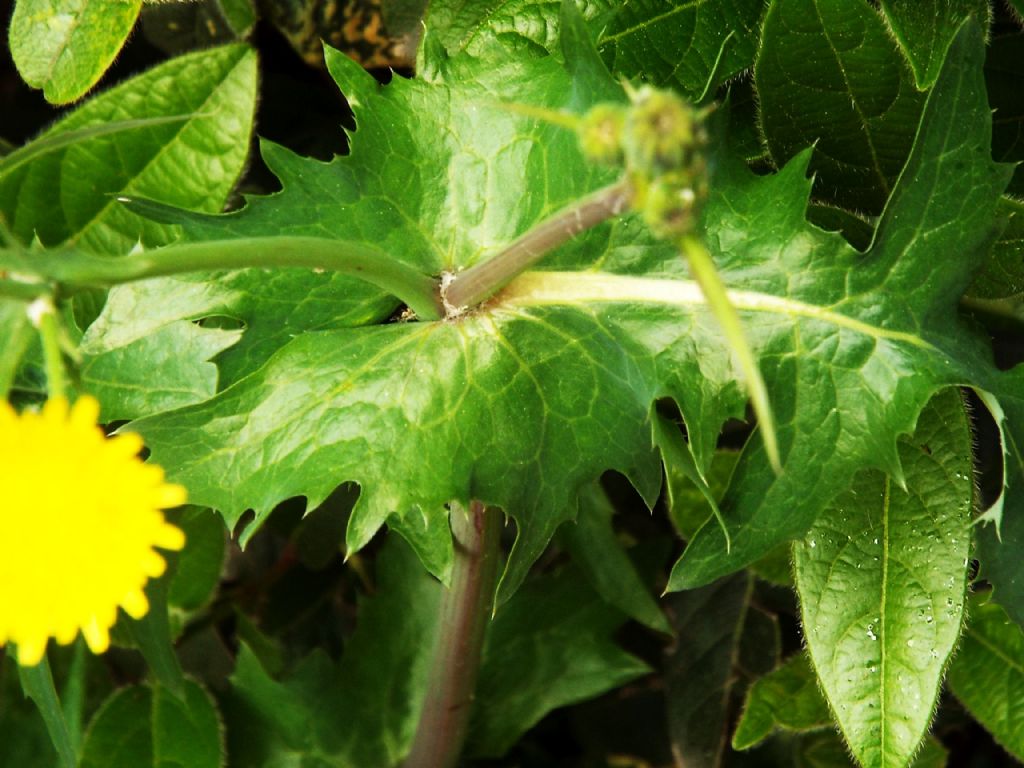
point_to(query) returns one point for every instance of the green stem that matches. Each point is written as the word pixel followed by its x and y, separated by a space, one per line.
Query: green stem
pixel 37 684
pixel 464 613
pixel 15 289
pixel 483 280
pixel 53 359
pixel 73 269
pixel 703 270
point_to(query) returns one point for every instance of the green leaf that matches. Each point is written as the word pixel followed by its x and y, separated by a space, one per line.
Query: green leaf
pixel 522 403
pixel 158 372
pixel 17 333
pixel 1000 544
pixel 363 711
pixel 987 675
pixel 499 28
pixel 787 699
pixel 829 74
pixel 1005 82
pixel 691 46
pixel 151 634
pixel 143 726
pixel 65 46
pixel 700 669
pixel 550 646
pixel 1003 275
pixel 881 577
pixel 23 734
pixel 68 194
pixel 597 551
pixel 37 684
pixel 199 565
pixel 937 196
pixel 924 29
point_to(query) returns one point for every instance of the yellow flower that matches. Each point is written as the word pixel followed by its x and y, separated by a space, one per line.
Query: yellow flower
pixel 80 515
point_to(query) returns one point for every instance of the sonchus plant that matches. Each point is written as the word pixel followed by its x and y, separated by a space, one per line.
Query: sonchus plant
pixel 539 271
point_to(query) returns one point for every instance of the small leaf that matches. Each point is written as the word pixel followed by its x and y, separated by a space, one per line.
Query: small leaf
pixel 829 74
pixel 1003 275
pixel 700 669
pixel 925 28
pixel 363 711
pixel 881 577
pixel 691 46
pixel 147 727
pixel 987 675
pixel 600 555
pixel 549 646
pixel 199 565
pixel 65 46
pixel 193 163
pixel 788 698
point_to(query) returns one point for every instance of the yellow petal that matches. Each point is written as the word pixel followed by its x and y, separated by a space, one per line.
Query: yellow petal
pixel 31 651
pixel 135 604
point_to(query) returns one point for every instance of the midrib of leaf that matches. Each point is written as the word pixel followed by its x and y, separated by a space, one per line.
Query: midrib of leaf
pixel 883 656
pixel 165 148
pixel 651 21
pixel 853 100
pixel 575 288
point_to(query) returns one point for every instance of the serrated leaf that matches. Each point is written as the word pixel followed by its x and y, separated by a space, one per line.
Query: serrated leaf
pixel 141 726
pixel 523 402
pixel 65 46
pixel 829 74
pixel 600 555
pixel 954 136
pixel 925 28
pixel 881 577
pixel 67 194
pixel 691 46
pixel 700 667
pixel 787 698
pixel 987 675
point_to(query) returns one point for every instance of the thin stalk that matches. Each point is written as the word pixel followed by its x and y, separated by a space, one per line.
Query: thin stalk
pixel 45 317
pixel 75 269
pixel 37 684
pixel 15 289
pixel 703 270
pixel 483 280
pixel 464 613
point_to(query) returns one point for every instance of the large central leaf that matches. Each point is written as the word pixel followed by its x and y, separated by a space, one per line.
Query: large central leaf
pixel 552 382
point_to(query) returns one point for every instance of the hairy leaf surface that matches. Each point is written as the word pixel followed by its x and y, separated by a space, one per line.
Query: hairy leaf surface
pixel 881 577
pixel 828 72
pixel 64 46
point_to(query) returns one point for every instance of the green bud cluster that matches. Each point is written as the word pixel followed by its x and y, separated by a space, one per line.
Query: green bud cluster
pixel 661 140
